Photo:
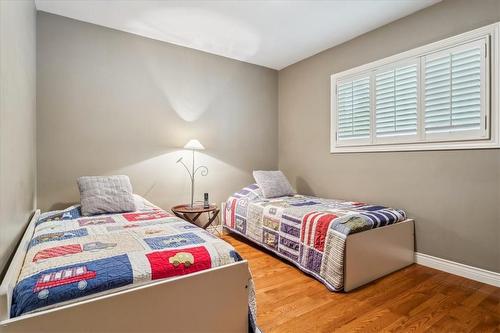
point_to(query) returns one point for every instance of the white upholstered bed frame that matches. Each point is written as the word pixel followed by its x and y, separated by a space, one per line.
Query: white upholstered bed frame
pixel 375 253
pixel 213 300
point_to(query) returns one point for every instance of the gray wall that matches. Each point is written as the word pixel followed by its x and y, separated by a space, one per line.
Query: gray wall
pixel 110 102
pixel 17 121
pixel 453 195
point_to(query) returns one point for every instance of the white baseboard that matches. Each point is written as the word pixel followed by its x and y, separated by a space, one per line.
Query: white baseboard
pixel 470 272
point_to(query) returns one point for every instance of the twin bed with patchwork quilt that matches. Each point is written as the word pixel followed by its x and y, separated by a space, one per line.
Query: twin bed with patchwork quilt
pixel 310 232
pixel 72 257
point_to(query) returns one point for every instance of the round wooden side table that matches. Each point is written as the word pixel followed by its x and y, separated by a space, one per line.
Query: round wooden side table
pixel 186 212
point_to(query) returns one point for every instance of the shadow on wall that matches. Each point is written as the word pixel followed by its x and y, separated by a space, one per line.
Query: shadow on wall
pixel 161 180
pixel 62 205
pixel 204 101
pixel 66 204
pixel 139 101
pixel 195 27
pixel 303 187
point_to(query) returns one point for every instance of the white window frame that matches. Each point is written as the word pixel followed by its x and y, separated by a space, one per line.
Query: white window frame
pixel 490 122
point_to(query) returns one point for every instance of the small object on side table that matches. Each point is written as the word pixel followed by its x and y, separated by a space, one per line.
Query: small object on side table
pixel 191 214
pixel 206 204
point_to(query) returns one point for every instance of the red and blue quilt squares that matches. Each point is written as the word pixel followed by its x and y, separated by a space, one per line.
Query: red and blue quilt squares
pixel 96 220
pixel 172 241
pixel 64 283
pixel 178 262
pixel 144 216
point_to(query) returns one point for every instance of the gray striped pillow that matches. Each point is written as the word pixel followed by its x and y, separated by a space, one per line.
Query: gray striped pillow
pixel 106 194
pixel 273 183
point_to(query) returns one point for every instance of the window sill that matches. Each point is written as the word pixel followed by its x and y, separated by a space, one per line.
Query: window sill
pixel 464 145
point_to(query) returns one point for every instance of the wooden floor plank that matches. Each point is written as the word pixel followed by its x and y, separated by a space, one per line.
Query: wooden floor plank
pixel 414 299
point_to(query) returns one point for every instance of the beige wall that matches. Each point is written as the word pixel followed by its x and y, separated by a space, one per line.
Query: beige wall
pixel 116 103
pixel 17 121
pixel 453 195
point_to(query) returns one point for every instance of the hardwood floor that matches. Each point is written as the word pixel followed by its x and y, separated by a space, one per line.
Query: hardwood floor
pixel 414 299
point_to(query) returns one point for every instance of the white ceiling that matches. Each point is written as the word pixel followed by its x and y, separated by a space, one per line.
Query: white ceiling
pixel 272 33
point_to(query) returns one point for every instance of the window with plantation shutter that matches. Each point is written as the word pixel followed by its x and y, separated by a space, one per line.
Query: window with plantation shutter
pixel 396 99
pixel 454 92
pixel 440 96
pixel 354 109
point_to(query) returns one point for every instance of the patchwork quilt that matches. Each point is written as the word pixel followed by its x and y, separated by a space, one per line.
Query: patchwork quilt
pixel 308 231
pixel 71 257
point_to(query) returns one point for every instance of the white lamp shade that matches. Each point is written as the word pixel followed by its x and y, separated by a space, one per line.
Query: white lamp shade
pixel 194 145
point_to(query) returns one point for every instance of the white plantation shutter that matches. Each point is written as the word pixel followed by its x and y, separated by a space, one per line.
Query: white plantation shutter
pixel 396 101
pixel 353 105
pixel 454 90
pixel 439 96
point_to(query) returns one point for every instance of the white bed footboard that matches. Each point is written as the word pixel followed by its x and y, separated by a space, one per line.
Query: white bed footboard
pixel 377 252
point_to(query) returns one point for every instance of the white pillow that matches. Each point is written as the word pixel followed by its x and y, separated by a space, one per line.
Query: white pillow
pixel 273 183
